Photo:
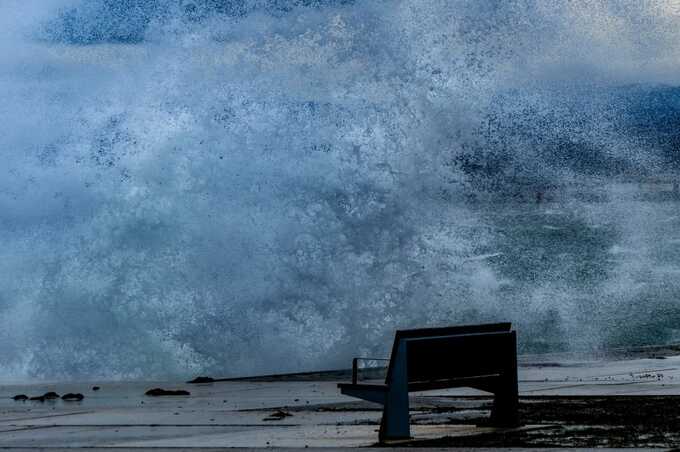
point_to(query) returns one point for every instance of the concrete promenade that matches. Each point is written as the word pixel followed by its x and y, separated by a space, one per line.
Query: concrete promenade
pixel 245 414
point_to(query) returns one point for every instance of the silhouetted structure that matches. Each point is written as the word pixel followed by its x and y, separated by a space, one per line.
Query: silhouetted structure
pixel 477 356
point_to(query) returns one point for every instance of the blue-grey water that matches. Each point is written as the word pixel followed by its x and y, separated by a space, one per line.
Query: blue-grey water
pixel 229 187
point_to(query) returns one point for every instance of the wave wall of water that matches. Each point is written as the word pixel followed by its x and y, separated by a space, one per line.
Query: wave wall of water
pixel 233 187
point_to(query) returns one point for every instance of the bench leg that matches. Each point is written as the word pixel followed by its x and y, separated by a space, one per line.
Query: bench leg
pixel 395 419
pixel 505 411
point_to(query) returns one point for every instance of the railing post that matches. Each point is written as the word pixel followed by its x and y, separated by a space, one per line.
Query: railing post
pixel 355 371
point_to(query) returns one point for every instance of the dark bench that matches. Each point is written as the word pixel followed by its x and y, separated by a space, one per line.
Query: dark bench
pixel 483 357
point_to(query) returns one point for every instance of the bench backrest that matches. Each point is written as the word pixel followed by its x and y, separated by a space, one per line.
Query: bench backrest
pixel 455 352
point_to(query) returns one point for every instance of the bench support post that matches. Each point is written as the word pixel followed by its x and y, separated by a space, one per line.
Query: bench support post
pixel 395 419
pixel 506 395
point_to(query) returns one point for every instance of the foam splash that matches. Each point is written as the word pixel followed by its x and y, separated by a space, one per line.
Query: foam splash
pixel 201 187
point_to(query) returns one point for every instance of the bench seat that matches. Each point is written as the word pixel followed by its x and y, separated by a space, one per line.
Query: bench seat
pixel 482 382
pixel 482 357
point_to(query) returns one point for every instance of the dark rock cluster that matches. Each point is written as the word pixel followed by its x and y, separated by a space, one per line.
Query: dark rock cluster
pixel 156 392
pixel 51 395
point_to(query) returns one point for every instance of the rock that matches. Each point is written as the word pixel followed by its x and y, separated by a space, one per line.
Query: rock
pixel 277 415
pixel 155 392
pixel 96 388
pixel 202 380
pixel 47 396
pixel 20 397
pixel 72 397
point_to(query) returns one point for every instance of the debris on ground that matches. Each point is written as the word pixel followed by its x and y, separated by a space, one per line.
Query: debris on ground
pixel 574 421
pixel 277 415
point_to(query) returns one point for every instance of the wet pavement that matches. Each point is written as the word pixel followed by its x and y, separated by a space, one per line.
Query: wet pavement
pixel 564 403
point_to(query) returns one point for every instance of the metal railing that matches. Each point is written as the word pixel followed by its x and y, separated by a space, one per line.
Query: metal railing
pixel 355 366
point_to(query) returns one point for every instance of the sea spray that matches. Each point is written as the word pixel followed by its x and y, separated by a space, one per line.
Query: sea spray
pixel 238 187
